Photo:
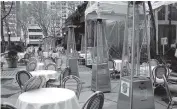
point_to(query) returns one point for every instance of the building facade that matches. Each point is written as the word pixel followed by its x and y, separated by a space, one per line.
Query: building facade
pixel 11 19
pixel 166 27
pixel 61 10
pixel 35 35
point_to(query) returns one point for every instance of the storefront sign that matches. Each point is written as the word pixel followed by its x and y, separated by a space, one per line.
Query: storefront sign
pixel 164 41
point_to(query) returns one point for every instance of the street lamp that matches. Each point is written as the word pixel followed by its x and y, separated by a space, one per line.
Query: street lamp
pixel 64 33
pixel 9 33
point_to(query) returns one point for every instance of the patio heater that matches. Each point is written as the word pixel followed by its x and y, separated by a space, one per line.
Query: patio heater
pixel 136 89
pixel 100 71
pixel 72 55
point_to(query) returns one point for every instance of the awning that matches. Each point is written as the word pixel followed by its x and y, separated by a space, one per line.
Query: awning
pixel 113 10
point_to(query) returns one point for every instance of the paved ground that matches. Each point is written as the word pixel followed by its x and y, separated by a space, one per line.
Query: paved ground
pixel 10 90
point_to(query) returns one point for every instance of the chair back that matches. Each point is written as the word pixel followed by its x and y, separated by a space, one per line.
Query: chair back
pixel 22 77
pixel 159 71
pixel 31 66
pixel 59 62
pixel 95 101
pixel 7 106
pixel 66 72
pixel 27 56
pixel 44 82
pixel 32 59
pixel 51 66
pixel 48 61
pixel 167 88
pixel 154 62
pixel 78 81
pixel 34 83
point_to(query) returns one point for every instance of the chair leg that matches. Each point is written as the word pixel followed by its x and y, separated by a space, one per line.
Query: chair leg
pixel 169 105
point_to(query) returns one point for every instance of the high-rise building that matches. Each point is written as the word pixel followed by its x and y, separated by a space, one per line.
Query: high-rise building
pixel 62 9
pixel 14 27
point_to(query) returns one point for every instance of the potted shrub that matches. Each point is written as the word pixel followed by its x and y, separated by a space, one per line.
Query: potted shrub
pixel 12 59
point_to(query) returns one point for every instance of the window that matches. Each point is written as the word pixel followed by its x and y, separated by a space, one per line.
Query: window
pixel 163 31
pixel 34 30
pixel 35 36
pixel 173 12
pixel 161 14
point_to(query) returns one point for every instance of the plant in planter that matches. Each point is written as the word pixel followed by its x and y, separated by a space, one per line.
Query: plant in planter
pixel 12 59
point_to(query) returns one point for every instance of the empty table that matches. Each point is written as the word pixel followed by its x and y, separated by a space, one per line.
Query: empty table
pixel 48 98
pixel 48 74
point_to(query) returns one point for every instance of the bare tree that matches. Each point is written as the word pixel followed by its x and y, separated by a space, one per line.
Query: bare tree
pixel 24 19
pixel 41 14
pixel 4 15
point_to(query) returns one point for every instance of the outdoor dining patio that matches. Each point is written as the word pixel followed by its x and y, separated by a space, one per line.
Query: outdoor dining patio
pixel 56 78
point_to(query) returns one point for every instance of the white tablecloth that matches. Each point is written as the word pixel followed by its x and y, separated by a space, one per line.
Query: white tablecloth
pixel 40 66
pixel 21 55
pixel 118 64
pixel 55 55
pixel 144 70
pixel 48 74
pixel 82 55
pixel 48 98
pixel 46 54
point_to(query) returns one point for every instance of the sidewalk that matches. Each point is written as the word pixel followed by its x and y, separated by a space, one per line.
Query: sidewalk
pixel 10 90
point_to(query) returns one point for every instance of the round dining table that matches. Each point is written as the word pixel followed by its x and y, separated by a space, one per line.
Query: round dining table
pixel 48 98
pixel 48 74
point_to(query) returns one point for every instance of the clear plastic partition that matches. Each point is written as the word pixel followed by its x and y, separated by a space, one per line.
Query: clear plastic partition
pixel 89 40
pixel 100 49
pixel 136 53
pixel 71 44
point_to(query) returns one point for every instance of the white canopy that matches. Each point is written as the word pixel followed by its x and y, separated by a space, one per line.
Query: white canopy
pixel 116 10
pixel 112 10
pixel 158 4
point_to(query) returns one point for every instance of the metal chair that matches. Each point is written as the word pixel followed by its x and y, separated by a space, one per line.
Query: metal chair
pixel 34 83
pixel 95 101
pixel 154 62
pixel 22 77
pixel 48 61
pixel 25 59
pixel 32 59
pixel 172 100
pixel 79 84
pixel 7 106
pixel 57 82
pixel 31 66
pixel 158 73
pixel 51 66
pixel 58 62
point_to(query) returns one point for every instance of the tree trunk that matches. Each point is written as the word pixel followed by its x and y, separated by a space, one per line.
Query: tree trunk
pixel 170 28
pixel 153 42
pixel 45 32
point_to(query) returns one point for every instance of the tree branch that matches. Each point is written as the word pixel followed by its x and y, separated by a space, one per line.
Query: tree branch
pixel 8 12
